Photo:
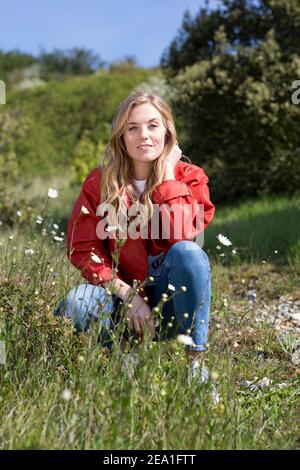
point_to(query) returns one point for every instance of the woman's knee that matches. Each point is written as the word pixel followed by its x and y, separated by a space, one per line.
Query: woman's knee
pixel 82 303
pixel 185 250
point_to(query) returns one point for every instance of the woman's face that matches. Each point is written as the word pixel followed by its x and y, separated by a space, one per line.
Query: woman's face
pixel 144 138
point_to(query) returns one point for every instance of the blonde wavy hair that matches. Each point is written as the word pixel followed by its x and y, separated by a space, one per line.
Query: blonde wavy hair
pixel 116 164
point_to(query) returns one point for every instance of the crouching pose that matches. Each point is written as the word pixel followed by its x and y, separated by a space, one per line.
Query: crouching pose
pixel 148 206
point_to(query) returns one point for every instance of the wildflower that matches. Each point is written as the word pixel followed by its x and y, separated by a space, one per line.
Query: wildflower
pixel 52 193
pixel 183 288
pixel 214 375
pixel 222 254
pixel 19 213
pixel 80 358
pixel 53 232
pixel 62 234
pixel 233 252
pixel 44 231
pixel 164 295
pixel 66 394
pixel 264 261
pixel 11 237
pixel 236 345
pixel 39 219
pixel 84 210
pixel 156 309
pixel 202 322
pixel 186 340
pixel 151 278
pixel 58 239
pixel 224 240
pixel 55 226
pixel 170 325
pixel 95 258
pixel 163 393
pixel 186 315
pixel 171 287
pixel 276 252
pixel 29 251
pixel 146 299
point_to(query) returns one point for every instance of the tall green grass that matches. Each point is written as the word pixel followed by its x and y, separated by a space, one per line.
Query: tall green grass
pixel 61 390
pixel 258 227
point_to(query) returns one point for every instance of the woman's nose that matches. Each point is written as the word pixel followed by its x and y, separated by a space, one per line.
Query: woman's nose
pixel 144 132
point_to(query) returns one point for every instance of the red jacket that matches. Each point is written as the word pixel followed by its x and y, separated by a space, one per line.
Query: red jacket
pixel 190 187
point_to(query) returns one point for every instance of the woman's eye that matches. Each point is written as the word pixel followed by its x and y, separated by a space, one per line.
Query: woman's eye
pixel 134 127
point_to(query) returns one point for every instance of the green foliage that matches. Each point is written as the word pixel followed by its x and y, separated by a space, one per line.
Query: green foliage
pixel 61 112
pixel 245 22
pixel 13 127
pixel 75 61
pixel 239 122
pixel 86 157
pixel 14 60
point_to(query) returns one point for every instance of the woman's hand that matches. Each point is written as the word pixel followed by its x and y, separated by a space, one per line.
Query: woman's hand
pixel 171 160
pixel 140 316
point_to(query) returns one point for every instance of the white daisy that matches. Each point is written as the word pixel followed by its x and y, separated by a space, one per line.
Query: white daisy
pixel 84 210
pixel 224 240
pixel 66 394
pixel 171 287
pixel 95 258
pixel 52 193
pixel 58 239
pixel 186 340
pixel 29 251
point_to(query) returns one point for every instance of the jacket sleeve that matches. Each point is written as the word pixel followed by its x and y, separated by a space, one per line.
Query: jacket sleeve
pixel 185 208
pixel 82 240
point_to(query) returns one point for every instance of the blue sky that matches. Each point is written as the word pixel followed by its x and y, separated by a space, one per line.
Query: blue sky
pixel 111 28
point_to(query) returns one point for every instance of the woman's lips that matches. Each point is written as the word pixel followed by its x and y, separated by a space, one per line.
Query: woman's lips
pixel 145 147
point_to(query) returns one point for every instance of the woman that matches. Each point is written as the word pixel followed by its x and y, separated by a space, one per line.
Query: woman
pixel 142 168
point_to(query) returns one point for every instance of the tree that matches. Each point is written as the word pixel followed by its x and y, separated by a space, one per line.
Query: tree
pixel 245 22
pixel 75 61
pixel 235 104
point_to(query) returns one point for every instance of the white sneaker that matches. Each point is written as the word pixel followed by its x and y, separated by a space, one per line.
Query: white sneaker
pixel 201 375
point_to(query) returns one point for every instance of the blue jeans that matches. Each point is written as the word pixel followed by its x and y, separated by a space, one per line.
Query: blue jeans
pixel 185 264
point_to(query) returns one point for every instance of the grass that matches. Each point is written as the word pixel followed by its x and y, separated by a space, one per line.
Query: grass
pixel 260 226
pixel 60 390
